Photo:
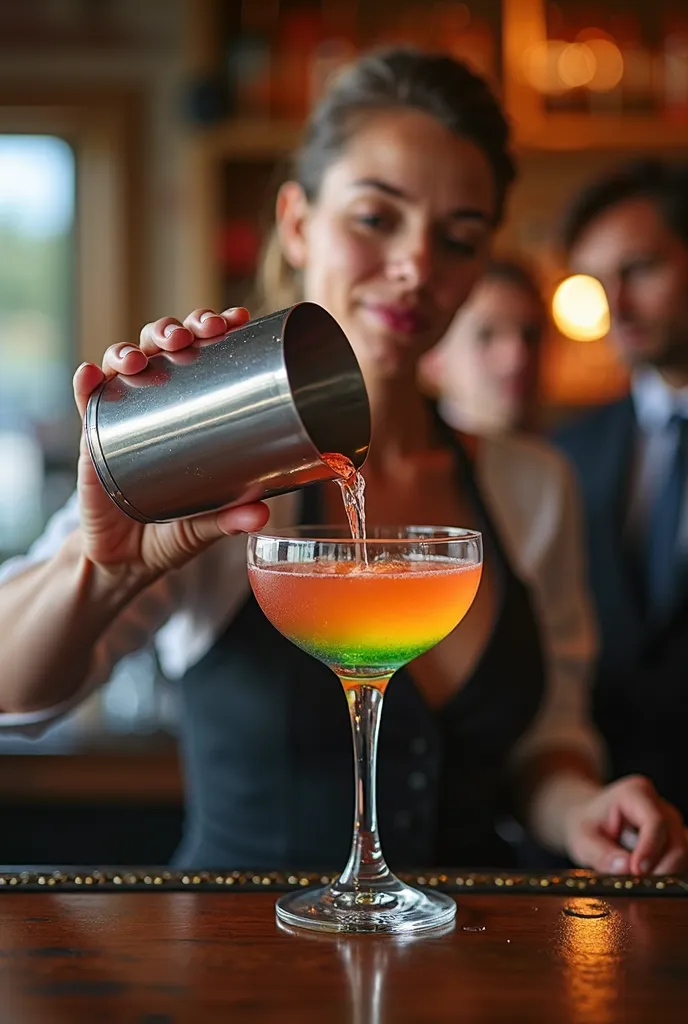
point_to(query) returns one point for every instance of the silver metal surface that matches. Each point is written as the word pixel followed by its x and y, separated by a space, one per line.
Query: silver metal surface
pixel 244 418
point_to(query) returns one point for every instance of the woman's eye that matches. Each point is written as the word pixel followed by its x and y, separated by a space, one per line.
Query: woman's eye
pixel 371 220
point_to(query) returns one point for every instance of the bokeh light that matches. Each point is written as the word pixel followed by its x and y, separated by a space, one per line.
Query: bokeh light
pixel 580 309
pixel 576 65
pixel 609 65
pixel 554 66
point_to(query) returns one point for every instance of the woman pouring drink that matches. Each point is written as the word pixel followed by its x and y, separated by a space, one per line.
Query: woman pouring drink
pixel 386 221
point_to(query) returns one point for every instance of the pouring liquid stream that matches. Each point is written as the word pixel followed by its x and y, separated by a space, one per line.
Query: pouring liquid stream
pixel 352 486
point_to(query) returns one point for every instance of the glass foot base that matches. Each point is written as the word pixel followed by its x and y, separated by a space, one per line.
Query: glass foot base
pixel 396 909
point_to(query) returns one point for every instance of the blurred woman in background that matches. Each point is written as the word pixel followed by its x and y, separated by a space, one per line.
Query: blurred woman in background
pixel 485 373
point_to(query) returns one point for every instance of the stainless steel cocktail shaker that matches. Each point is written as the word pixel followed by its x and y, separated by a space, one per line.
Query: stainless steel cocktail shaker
pixel 241 419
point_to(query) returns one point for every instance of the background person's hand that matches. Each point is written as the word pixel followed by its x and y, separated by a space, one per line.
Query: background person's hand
pixel 110 538
pixel 598 828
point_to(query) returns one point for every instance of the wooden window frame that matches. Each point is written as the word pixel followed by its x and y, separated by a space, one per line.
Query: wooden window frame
pixel 104 129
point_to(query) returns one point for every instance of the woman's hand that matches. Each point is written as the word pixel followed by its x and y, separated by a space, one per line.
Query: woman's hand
pixel 112 540
pixel 598 827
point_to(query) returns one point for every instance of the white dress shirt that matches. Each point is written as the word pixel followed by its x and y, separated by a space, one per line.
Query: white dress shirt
pixel 655 403
pixel 532 497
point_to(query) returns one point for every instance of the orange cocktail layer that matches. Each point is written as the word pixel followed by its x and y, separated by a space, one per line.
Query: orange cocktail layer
pixel 376 617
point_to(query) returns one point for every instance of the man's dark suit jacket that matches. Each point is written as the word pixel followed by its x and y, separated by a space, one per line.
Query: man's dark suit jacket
pixel 640 697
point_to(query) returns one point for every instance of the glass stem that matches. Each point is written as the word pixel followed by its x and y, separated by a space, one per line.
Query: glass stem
pixel 366 867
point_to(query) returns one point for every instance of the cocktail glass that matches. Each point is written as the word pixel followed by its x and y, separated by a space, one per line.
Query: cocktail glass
pixel 365 620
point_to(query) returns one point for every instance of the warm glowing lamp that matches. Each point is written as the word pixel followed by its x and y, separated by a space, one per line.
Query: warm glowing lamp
pixel 580 308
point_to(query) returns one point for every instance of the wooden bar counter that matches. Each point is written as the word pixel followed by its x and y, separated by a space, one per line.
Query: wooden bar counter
pixel 154 947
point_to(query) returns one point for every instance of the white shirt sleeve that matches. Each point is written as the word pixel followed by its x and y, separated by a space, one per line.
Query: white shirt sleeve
pixel 182 614
pixel 132 630
pixel 535 499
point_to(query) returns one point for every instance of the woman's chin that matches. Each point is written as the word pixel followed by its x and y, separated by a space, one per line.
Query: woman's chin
pixel 389 364
pixel 386 357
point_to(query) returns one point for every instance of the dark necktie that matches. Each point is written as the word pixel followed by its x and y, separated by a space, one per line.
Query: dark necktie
pixel 664 563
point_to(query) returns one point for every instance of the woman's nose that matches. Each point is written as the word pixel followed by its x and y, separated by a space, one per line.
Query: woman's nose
pixel 513 353
pixel 411 261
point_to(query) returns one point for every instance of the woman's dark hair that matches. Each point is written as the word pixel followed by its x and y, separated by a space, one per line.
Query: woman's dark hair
pixel 434 84
pixel 514 270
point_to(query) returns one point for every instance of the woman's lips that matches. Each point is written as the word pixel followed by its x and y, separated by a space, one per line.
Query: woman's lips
pixel 398 319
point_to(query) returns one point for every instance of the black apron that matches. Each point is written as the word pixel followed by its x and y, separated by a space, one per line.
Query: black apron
pixel 268 750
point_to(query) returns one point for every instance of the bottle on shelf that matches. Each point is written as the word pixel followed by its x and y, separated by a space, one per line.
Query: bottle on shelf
pixel 300 33
pixel 249 59
pixel 467 37
pixel 337 48
pixel 639 85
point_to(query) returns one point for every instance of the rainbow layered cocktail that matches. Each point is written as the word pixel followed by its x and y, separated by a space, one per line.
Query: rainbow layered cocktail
pixel 366 621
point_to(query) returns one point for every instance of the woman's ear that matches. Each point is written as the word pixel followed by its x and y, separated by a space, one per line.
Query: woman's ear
pixel 291 214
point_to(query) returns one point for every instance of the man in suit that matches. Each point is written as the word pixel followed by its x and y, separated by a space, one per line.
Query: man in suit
pixel 630 231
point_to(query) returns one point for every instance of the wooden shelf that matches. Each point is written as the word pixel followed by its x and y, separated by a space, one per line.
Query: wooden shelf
pixel 237 139
pixel 243 142
pixel 561 132
pixel 523 25
pixel 535 127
